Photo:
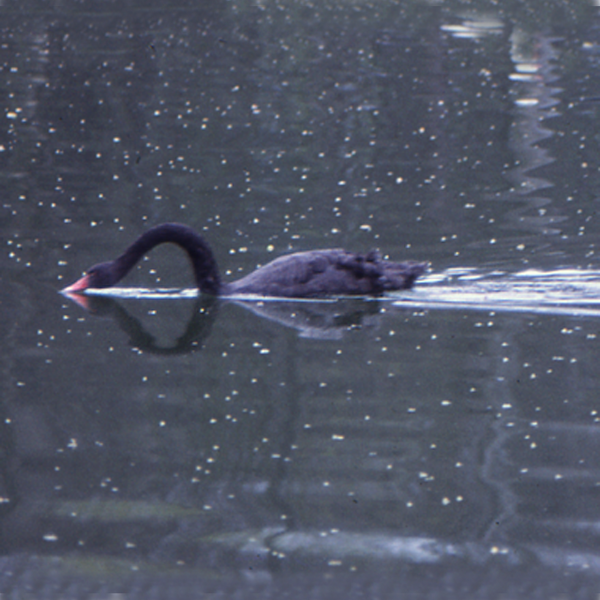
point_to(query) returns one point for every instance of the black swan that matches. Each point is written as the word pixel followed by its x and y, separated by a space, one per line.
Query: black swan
pixel 312 274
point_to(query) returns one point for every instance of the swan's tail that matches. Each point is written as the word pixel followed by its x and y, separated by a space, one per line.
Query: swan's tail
pixel 401 276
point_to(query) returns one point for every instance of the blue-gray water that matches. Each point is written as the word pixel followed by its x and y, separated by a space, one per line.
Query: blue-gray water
pixel 436 443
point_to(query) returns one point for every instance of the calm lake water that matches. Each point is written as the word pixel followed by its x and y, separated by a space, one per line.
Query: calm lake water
pixel 437 443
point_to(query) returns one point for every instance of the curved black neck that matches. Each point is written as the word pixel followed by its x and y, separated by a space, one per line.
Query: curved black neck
pixel 203 261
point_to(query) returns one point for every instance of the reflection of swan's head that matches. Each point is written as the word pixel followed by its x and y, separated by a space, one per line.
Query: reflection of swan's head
pixel 312 274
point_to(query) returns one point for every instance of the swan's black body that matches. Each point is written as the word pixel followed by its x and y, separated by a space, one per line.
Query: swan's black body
pixel 312 274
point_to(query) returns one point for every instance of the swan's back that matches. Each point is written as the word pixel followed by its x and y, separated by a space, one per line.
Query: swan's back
pixel 320 273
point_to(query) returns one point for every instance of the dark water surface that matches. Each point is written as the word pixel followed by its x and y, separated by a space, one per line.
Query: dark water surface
pixel 438 443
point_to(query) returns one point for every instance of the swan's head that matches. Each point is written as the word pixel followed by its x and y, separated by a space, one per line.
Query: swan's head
pixel 102 275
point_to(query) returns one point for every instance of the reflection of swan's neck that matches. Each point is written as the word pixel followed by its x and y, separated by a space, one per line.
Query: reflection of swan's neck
pixel 203 260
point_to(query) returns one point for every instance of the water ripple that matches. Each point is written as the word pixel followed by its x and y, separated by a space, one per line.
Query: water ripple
pixel 563 292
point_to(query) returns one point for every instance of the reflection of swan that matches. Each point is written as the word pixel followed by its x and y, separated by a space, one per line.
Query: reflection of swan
pixel 312 274
pixel 197 330
pixel 317 320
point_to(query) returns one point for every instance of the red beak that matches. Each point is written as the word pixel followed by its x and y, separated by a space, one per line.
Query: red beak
pixel 78 286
